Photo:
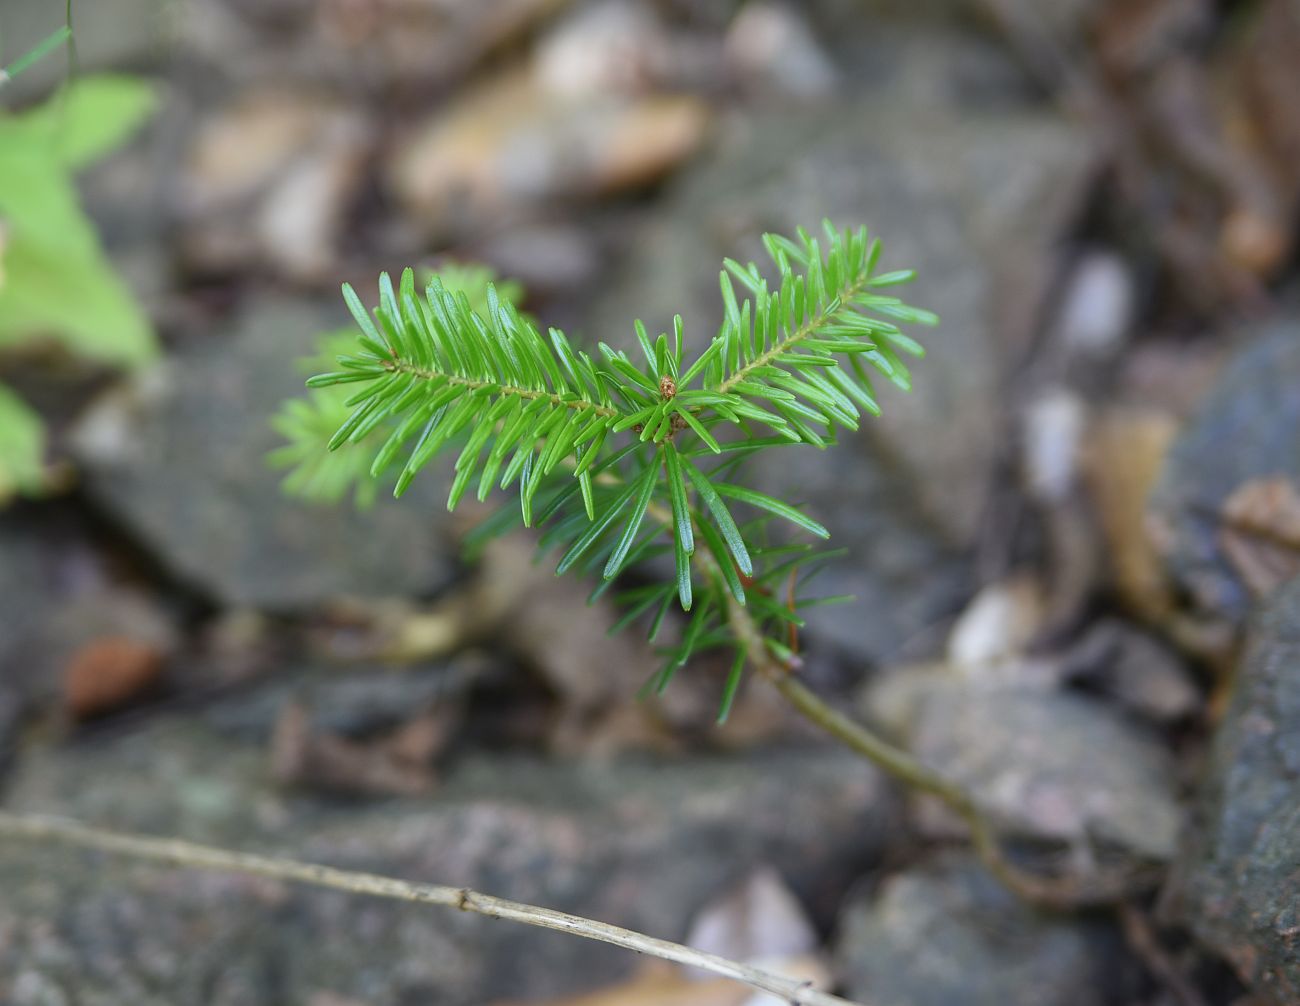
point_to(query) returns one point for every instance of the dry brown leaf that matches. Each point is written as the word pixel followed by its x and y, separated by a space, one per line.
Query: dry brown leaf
pixel 506 142
pixel 647 141
pixel 1124 454
pixel 1258 84
pixel 108 672
pixel 1261 533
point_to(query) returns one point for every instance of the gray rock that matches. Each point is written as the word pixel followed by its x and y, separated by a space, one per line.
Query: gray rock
pixel 918 46
pixel 281 203
pixel 180 459
pixel 902 571
pixel 949 933
pixel 1244 430
pixel 1136 669
pixel 29 591
pixel 353 702
pixel 974 200
pixel 1054 766
pixel 336 48
pixel 771 48
pixel 1237 883
pixel 641 843
pixel 25 583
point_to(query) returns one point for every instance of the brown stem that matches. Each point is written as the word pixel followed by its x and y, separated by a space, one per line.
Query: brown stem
pixel 1048 892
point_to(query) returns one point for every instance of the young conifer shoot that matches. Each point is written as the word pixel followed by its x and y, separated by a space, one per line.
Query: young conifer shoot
pixel 624 459
pixel 620 459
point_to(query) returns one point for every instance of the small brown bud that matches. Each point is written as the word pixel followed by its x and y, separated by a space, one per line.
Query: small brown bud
pixel 667 387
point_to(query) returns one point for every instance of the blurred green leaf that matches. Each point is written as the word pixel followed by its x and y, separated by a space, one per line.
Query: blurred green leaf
pixel 58 283
pixel 82 123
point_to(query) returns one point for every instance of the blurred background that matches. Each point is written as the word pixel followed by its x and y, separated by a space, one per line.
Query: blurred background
pixel 1058 542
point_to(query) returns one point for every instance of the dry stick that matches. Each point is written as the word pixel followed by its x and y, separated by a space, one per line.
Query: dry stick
pixel 1145 942
pixel 37 828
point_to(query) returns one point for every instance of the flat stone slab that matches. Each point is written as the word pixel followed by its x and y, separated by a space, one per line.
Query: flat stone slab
pixel 180 460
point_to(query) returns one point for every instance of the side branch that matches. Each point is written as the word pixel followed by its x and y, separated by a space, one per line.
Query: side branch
pixel 842 298
pixel 397 365
pixel 38 829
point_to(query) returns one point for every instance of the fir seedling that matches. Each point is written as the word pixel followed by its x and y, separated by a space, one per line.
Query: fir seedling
pixel 620 458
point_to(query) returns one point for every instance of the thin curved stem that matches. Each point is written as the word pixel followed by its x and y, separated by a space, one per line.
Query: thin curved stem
pixel 174 852
pixel 1047 892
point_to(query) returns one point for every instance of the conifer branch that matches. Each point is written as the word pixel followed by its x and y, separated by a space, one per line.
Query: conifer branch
pixel 793 358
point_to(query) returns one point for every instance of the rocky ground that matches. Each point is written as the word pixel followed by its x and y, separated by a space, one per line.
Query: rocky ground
pixel 1074 547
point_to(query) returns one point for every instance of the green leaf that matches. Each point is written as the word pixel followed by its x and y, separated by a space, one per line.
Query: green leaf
pixel 361 316
pixel 597 528
pixel 894 278
pixel 51 246
pixel 677 494
pixel 645 486
pixel 699 429
pixel 764 502
pixel 700 364
pixel 733 684
pixel 316 473
pixel 683 535
pixel 88 119
pixel 652 358
pixel 725 562
pixel 640 601
pixel 721 516
pixel 690 639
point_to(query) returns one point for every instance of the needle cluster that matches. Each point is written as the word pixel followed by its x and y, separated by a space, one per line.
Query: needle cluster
pixel 624 458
